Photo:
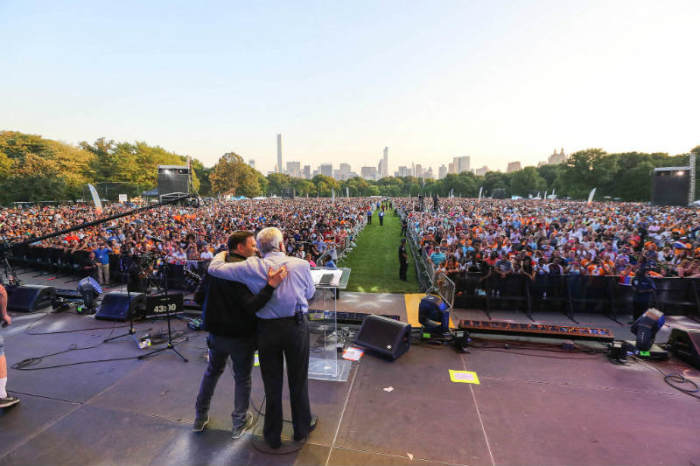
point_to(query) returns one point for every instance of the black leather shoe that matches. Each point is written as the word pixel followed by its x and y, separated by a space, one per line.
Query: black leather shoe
pixel 312 426
pixel 274 445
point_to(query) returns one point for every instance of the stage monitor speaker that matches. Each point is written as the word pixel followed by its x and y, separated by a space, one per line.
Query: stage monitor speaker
pixel 29 298
pixel 685 344
pixel 116 306
pixel 173 179
pixel 387 337
pixel 670 187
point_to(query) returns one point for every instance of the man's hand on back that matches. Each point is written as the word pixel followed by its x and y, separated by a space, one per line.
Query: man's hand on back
pixel 275 277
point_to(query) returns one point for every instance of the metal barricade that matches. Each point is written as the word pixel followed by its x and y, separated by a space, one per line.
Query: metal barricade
pixel 445 287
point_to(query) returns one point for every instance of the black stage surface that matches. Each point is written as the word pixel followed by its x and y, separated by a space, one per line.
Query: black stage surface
pixel 531 408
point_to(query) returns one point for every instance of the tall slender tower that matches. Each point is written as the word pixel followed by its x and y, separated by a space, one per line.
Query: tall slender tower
pixel 385 165
pixel 279 154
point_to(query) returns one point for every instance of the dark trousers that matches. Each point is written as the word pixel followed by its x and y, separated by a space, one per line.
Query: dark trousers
pixel 369 219
pixel 640 306
pixel 241 352
pixel 403 267
pixel 381 220
pixel 280 340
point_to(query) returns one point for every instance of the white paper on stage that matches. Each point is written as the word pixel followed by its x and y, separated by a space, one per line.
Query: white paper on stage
pixel 316 275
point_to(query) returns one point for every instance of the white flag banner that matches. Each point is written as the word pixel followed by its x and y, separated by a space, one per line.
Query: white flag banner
pixel 545 195
pixel 481 190
pixel 95 198
pixel 123 198
pixel 590 196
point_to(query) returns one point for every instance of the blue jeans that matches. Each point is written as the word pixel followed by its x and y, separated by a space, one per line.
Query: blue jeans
pixel 241 352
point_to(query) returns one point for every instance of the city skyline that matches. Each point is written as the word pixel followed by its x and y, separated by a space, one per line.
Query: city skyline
pixel 459 164
pixel 501 82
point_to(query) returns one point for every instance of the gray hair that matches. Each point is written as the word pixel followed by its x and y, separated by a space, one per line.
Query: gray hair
pixel 269 239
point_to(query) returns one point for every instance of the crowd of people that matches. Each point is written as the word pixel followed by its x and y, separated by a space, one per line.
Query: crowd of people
pixel 554 237
pixel 315 228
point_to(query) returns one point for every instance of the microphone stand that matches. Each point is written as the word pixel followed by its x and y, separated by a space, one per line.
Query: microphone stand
pixel 170 345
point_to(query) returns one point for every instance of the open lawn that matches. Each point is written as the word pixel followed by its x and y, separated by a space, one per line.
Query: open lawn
pixel 375 260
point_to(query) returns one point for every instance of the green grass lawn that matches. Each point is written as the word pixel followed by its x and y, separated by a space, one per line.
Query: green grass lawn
pixel 375 260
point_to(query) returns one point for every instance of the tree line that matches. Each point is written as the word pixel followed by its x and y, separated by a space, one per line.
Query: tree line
pixel 33 169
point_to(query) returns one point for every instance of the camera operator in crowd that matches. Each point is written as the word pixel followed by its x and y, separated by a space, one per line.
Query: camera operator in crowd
pixel 282 331
pixel 229 316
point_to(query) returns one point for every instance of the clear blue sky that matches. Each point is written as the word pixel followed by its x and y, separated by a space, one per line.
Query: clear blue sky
pixel 497 80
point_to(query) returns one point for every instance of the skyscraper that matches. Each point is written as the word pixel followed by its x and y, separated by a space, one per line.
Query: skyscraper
pixel 461 164
pixel 418 171
pixel 369 173
pixel 403 171
pixel 251 162
pixel 325 169
pixel 344 171
pixel 307 172
pixel 385 163
pixel 279 153
pixel 557 158
pixel 513 167
pixel 442 172
pixel 481 171
pixel 294 169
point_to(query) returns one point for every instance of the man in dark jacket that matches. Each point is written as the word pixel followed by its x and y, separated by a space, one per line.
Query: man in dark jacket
pixel 403 260
pixel 229 316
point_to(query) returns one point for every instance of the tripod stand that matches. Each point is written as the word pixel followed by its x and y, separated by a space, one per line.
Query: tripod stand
pixel 168 307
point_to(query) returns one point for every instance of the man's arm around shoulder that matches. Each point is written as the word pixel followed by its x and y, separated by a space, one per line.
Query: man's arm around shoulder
pixel 235 271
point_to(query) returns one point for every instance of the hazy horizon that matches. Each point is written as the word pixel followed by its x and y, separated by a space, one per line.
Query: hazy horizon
pixel 499 82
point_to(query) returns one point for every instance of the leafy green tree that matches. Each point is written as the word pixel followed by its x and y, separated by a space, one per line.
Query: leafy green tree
pixel 303 187
pixel 325 184
pixel 231 175
pixel 549 173
pixel 41 169
pixel 356 186
pixel 581 171
pixel 5 165
pixel 527 181
pixel 202 173
pixel 496 180
pixel 279 184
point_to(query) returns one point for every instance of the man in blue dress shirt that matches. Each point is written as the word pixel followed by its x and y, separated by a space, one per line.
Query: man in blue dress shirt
pixel 102 256
pixel 282 330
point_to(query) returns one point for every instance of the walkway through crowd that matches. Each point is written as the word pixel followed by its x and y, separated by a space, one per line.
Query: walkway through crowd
pixel 375 261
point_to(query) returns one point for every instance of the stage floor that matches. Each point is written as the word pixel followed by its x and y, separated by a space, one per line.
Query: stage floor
pixel 531 407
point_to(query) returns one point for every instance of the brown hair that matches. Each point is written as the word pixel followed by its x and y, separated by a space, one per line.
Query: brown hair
pixel 237 238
